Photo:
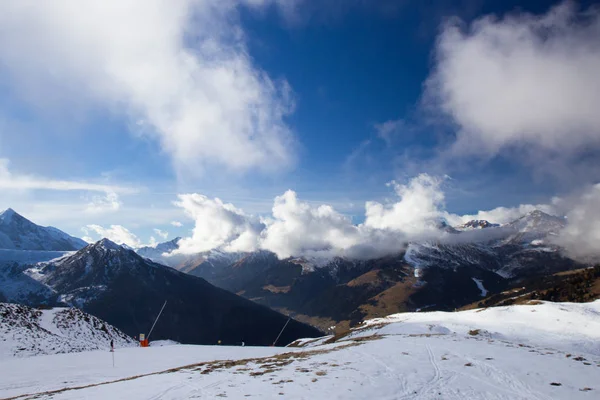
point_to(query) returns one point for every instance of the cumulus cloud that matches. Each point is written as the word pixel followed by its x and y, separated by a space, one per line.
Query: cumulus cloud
pixel 523 81
pixel 298 228
pixel 217 225
pixel 180 70
pixel 418 211
pixel 176 224
pixel 117 233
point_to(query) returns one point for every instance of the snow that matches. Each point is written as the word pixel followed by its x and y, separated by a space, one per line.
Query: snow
pixel 26 331
pixel 479 284
pixel 515 353
pixel 30 256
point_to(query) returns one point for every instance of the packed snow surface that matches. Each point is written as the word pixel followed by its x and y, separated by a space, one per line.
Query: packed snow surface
pixel 543 351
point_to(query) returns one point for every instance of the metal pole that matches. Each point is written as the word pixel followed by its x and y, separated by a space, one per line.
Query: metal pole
pixel 156 320
pixel 286 324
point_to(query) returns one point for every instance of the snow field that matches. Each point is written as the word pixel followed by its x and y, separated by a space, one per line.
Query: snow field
pixel 543 351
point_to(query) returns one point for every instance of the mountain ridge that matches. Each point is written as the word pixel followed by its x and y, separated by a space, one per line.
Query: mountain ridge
pixel 127 290
pixel 19 233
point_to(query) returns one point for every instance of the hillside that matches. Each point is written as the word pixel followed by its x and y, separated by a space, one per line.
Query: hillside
pixel 119 286
pixel 581 285
pixel 546 351
pixel 26 331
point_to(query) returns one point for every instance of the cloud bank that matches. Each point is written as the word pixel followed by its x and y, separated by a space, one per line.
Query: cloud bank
pixel 180 71
pixel 298 228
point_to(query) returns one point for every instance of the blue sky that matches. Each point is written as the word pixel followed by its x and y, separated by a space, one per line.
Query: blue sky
pixel 330 99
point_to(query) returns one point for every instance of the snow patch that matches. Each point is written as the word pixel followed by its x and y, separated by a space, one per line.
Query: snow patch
pixel 479 284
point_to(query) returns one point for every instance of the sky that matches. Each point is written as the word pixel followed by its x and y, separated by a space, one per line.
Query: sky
pixel 244 124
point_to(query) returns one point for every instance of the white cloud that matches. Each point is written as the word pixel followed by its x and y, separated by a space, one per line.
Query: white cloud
pixel 299 228
pixel 176 224
pixel 581 236
pixel 107 203
pixel 522 80
pixel 162 234
pixel 117 233
pixel 418 211
pixel 11 181
pixel 180 70
pixel 217 225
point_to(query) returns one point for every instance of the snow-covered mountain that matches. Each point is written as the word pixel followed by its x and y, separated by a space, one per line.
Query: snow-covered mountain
pixel 127 290
pixel 158 253
pixel 18 233
pixel 209 261
pixel 520 247
pixel 26 331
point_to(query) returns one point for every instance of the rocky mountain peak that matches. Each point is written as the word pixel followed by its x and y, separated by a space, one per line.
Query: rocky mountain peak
pixel 107 244
pixel 7 216
pixel 477 224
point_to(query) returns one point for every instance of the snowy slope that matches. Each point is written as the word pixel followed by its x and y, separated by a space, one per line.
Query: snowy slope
pixel 26 331
pixel 545 351
pixel 18 233
pixel 17 287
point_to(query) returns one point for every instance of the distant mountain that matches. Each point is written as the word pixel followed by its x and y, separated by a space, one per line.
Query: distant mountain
pixel 158 252
pixel 474 260
pixel 26 331
pixel 18 233
pixel 209 261
pixel 127 290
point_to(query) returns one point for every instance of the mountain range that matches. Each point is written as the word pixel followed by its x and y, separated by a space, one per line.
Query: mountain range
pixel 466 265
pixel 116 284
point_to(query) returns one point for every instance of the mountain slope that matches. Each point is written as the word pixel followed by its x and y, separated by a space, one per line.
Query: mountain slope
pixel 128 291
pixel 26 331
pixel 18 233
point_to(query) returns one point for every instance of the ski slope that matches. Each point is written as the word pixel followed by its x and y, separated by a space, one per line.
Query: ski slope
pixel 543 351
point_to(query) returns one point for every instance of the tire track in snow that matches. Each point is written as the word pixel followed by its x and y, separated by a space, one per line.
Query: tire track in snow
pixel 435 382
